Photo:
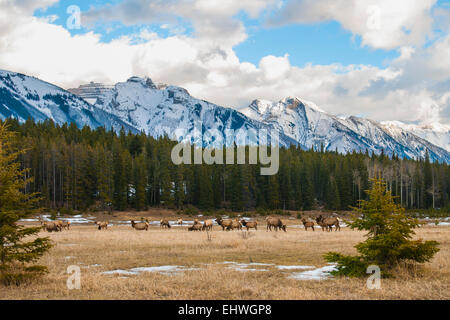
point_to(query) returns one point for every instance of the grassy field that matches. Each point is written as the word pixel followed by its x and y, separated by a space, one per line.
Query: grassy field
pixel 208 277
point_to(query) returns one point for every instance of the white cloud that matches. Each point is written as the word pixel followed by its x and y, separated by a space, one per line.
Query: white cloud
pixel 382 24
pixel 413 87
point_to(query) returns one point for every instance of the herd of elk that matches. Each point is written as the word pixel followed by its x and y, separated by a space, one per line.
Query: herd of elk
pixel 56 225
pixel 326 223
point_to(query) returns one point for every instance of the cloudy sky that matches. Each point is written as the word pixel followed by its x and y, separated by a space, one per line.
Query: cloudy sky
pixel 382 59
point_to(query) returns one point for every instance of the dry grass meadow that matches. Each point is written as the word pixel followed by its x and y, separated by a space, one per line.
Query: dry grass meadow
pixel 121 247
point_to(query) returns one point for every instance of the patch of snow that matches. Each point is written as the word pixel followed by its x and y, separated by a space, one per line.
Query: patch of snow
pixel 316 274
pixel 294 267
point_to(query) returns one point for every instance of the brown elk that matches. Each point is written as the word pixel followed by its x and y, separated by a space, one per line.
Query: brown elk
pixel 328 223
pixel 102 225
pixel 308 224
pixel 225 224
pixel 140 225
pixel 249 224
pixel 164 223
pixel 235 224
pixel 207 225
pixel 196 227
pixel 275 223
pixel 66 225
pixel 51 226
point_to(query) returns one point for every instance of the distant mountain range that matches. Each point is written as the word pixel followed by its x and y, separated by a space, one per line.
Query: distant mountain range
pixel 141 105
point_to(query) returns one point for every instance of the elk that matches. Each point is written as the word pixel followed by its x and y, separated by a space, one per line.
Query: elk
pixel 275 223
pixel 235 224
pixel 102 225
pixel 308 224
pixel 66 225
pixel 249 224
pixel 227 223
pixel 328 223
pixel 164 223
pixel 195 227
pixel 50 226
pixel 207 225
pixel 140 225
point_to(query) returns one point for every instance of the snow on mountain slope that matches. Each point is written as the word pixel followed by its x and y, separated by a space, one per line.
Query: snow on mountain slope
pixel 23 97
pixel 437 134
pixel 312 127
pixel 138 104
pixel 165 109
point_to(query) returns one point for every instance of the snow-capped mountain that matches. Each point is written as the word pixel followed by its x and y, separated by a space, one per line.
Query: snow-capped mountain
pixel 23 97
pixel 436 133
pixel 172 111
pixel 306 123
pixel 141 105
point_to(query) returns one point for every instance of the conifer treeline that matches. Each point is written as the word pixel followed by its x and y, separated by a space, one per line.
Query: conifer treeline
pixel 79 168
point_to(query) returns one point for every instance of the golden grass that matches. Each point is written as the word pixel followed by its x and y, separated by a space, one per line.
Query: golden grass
pixel 121 247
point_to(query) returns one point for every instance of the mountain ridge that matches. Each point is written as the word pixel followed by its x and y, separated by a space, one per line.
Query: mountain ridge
pixel 141 105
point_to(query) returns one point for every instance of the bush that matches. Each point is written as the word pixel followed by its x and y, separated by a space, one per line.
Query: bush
pixel 389 236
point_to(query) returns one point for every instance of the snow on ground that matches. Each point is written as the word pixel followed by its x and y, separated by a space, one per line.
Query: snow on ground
pixel 316 274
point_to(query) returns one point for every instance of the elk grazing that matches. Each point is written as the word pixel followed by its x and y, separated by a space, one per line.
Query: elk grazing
pixel 50 226
pixel 164 223
pixel 249 224
pixel 308 224
pixel 102 225
pixel 139 225
pixel 275 223
pixel 225 224
pixel 207 225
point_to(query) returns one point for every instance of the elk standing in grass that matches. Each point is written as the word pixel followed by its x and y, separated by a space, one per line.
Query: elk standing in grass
pixel 235 224
pixel 66 225
pixel 328 223
pixel 207 225
pixel 308 224
pixel 140 225
pixel 225 224
pixel 102 225
pixel 249 224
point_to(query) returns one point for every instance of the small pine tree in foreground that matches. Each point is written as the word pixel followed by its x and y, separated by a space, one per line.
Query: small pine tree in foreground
pixel 389 239
pixel 16 254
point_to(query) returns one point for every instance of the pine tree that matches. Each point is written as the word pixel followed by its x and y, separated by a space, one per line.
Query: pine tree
pixel 16 255
pixel 389 236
